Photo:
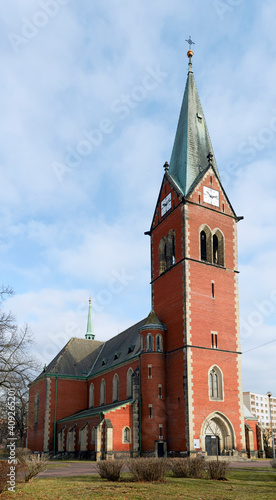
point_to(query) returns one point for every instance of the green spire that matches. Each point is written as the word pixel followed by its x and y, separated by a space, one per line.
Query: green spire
pixel 192 143
pixel 89 332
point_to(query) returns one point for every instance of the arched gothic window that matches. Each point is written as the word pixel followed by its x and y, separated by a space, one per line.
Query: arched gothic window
pixel 94 435
pixel 150 342
pixel 215 384
pixel 129 383
pixel 218 248
pixel 115 388
pixel 215 249
pixel 126 435
pixel 170 249
pixel 36 408
pixel 205 244
pixel 102 392
pixel 162 255
pixel 159 342
pixel 91 395
pixel 142 343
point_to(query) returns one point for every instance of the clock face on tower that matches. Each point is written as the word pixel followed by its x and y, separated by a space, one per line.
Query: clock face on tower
pixel 166 204
pixel 211 196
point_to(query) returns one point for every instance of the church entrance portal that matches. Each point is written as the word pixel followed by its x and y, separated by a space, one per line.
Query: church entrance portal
pixel 217 435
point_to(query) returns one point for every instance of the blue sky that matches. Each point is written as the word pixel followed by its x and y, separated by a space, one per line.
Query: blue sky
pixel 73 213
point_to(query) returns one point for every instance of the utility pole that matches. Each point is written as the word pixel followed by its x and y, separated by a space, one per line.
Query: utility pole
pixel 272 437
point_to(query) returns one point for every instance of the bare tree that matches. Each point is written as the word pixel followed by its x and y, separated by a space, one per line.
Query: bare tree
pixel 17 368
pixel 17 365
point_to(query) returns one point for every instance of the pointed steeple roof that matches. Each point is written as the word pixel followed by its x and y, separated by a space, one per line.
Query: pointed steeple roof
pixel 153 322
pixel 192 142
pixel 89 332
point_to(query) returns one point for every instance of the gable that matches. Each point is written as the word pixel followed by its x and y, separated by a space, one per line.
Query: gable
pixel 169 192
pixel 207 190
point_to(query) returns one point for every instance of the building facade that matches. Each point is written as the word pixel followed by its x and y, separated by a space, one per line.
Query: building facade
pixel 258 404
pixel 171 384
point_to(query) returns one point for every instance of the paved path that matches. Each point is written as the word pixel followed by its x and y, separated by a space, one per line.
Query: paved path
pixel 82 468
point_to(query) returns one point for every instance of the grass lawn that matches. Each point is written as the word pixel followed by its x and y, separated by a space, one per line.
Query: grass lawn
pixel 241 485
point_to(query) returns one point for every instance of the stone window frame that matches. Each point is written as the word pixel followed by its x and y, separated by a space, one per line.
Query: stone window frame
pixel 126 435
pixel 115 388
pixel 102 392
pixel 129 388
pixel 91 395
pixel 215 384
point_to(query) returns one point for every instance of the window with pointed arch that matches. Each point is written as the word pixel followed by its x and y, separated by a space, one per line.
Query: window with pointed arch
pixel 91 395
pixel 218 248
pixel 36 408
pixel 94 435
pixel 159 342
pixel 170 249
pixel 150 342
pixel 162 255
pixel 115 388
pixel 126 435
pixel 215 384
pixel 205 244
pixel 142 343
pixel 129 383
pixel 102 392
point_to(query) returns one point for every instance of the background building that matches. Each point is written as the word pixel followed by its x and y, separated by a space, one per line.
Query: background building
pixel 258 404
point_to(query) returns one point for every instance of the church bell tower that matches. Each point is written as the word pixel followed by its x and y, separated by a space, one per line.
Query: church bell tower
pixel 194 279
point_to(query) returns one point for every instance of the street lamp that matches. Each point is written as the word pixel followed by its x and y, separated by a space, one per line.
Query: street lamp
pixel 272 437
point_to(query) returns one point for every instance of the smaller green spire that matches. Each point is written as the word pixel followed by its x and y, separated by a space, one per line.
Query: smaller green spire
pixel 89 332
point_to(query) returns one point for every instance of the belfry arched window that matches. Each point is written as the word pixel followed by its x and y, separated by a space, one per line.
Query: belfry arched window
pixel 218 248
pixel 215 383
pixel 205 244
pixel 162 255
pixel 115 388
pixel 170 249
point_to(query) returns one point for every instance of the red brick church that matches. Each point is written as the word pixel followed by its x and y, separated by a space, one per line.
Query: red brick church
pixel 170 384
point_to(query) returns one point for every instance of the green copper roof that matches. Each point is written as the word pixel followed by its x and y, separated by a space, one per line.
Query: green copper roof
pixel 192 142
pixel 89 332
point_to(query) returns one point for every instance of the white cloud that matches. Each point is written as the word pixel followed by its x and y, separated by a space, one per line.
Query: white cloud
pixel 65 79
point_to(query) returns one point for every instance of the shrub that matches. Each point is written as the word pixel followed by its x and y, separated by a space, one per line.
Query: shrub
pixel 217 469
pixel 188 467
pixel 273 463
pixel 22 454
pixel 4 470
pixel 32 465
pixel 148 469
pixel 110 470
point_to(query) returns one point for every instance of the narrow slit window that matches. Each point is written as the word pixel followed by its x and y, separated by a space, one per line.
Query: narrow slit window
pixel 214 340
pixel 150 411
pixel 149 371
pixel 160 392
pixel 160 431
pixel 213 290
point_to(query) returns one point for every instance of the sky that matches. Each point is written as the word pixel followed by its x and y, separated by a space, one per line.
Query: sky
pixel 90 98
